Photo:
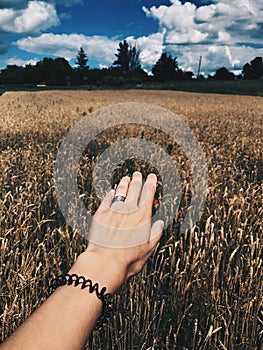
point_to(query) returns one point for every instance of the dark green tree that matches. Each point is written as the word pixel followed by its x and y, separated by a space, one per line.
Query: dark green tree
pixel 30 75
pixel 128 58
pixel 81 59
pixel 166 68
pixel 62 71
pixel 11 75
pixel 79 75
pixel 224 74
pixel 53 72
pixel 254 70
pixel 247 72
pixel 134 54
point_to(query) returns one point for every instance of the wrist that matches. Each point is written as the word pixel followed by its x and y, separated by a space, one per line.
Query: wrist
pixel 102 271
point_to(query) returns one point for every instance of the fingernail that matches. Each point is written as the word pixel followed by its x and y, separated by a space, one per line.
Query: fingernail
pixel 152 174
pixel 136 173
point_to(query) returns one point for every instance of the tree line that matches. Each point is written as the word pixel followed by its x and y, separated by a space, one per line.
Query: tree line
pixel 126 69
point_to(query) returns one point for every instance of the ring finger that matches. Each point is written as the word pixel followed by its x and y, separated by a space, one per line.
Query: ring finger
pixel 135 187
pixel 122 187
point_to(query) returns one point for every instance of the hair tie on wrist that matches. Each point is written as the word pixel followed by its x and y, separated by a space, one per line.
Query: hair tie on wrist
pixel 76 280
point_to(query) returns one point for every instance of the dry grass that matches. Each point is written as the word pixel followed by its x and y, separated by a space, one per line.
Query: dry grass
pixel 202 289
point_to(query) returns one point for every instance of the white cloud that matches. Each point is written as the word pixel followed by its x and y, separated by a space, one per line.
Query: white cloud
pixel 213 56
pixel 223 21
pixel 192 36
pixel 205 13
pixel 215 31
pixel 20 62
pixel 103 49
pixel 98 48
pixel 36 17
pixel 233 61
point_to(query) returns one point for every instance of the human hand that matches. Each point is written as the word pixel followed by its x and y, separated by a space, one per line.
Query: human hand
pixel 68 316
pixel 125 234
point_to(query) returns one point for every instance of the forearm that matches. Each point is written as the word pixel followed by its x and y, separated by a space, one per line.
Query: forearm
pixel 67 317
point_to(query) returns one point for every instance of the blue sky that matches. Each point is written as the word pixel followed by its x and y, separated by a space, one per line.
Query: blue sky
pixel 225 33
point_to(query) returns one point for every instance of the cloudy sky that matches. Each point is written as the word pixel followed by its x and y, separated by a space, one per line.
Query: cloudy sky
pixel 224 32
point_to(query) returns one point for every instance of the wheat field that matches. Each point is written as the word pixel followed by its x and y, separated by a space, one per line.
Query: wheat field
pixel 202 289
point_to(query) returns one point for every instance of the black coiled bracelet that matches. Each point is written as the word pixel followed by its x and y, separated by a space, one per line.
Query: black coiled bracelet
pixel 76 280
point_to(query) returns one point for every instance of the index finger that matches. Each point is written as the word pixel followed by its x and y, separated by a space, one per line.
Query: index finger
pixel 148 192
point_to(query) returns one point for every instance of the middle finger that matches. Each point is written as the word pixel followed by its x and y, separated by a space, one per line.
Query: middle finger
pixel 135 188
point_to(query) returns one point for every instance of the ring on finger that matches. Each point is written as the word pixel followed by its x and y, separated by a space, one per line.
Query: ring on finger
pixel 118 199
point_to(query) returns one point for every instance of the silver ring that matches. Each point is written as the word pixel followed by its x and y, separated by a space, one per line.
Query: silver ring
pixel 118 199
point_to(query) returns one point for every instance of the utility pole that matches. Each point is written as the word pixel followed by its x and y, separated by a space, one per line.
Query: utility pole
pixel 199 67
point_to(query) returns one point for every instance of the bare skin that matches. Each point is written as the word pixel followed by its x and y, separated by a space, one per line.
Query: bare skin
pixel 66 318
